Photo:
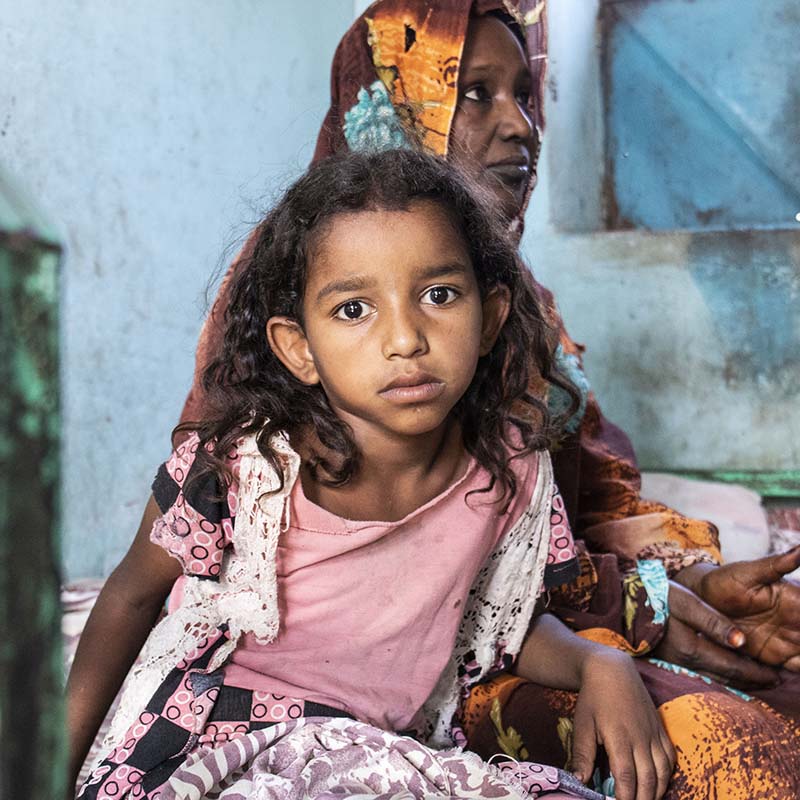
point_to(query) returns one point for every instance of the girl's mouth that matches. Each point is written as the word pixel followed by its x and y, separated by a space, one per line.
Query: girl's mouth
pixel 416 393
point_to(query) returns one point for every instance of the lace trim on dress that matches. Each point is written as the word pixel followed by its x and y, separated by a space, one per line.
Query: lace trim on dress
pixel 246 595
pixel 498 611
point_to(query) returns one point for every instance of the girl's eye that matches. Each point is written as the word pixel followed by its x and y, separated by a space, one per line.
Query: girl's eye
pixel 524 98
pixel 439 295
pixel 352 310
pixel 477 94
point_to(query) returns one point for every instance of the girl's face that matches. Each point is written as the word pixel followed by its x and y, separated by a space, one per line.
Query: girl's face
pixel 492 137
pixel 394 322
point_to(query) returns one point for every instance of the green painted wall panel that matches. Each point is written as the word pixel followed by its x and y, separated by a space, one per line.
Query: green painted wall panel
pixel 32 762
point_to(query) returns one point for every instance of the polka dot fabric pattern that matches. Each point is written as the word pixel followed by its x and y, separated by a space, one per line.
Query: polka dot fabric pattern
pixel 562 565
pixel 192 709
pixel 194 527
pixel 240 589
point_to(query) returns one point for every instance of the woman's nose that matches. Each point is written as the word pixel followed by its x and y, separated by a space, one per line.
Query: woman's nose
pixel 404 336
pixel 515 120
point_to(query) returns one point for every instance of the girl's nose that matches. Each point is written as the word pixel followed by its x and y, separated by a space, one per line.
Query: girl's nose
pixel 404 336
pixel 515 120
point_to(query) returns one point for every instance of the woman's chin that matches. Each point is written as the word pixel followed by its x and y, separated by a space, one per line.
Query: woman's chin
pixel 508 197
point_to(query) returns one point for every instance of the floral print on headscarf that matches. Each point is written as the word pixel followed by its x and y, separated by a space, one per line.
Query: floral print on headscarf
pixel 371 124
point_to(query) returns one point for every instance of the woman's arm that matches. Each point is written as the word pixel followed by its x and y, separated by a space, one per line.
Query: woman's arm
pixel 118 626
pixel 613 708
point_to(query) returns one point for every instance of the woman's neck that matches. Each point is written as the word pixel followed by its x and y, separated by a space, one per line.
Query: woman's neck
pixel 396 475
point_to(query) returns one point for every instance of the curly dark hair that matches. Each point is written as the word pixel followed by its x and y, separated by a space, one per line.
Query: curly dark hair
pixel 250 391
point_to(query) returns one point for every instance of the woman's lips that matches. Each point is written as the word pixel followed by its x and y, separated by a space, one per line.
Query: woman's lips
pixel 510 173
pixel 412 390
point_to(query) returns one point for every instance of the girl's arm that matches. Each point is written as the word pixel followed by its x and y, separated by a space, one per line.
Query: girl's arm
pixel 121 620
pixel 613 708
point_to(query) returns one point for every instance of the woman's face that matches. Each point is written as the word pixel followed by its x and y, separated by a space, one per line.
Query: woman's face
pixel 493 137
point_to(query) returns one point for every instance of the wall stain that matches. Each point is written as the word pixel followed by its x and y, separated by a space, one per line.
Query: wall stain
pixel 751 285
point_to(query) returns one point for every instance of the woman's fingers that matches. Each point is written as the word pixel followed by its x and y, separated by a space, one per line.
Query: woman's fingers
pixel 793 664
pixel 788 561
pixel 690 609
pixel 683 645
pixel 763 571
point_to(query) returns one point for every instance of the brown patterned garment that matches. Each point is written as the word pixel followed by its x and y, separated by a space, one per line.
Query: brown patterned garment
pixel 394 84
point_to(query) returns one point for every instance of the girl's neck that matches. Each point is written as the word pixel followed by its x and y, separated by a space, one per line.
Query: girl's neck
pixel 396 475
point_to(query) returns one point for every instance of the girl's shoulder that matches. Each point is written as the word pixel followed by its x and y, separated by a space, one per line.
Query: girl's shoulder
pixel 189 478
pixel 198 508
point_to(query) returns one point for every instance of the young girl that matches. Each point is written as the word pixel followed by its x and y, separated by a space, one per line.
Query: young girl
pixel 361 530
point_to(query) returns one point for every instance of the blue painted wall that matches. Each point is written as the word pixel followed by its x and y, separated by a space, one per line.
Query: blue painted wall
pixel 703 113
pixel 152 133
pixel 693 338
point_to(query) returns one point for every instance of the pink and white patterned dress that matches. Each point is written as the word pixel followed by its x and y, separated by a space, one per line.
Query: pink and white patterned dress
pixel 370 614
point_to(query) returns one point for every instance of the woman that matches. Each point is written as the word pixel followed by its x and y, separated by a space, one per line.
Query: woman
pixel 467 80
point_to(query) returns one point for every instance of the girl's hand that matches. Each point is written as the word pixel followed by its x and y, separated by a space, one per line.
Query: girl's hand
pixel 614 710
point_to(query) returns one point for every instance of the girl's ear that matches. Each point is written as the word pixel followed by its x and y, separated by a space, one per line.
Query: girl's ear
pixel 289 343
pixel 496 307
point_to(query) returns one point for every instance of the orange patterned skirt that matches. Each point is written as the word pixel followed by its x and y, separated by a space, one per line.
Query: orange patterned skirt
pixel 729 744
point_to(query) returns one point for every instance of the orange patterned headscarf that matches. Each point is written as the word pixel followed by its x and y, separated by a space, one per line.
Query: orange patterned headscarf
pixel 394 79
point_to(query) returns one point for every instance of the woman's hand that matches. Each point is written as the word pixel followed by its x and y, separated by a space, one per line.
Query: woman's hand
pixel 745 606
pixel 614 710
pixel 704 640
pixel 764 606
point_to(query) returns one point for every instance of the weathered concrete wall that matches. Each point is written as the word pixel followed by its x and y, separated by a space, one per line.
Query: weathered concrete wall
pixel 693 338
pixel 148 132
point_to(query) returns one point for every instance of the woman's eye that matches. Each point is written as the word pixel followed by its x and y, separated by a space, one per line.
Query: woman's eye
pixel 524 98
pixel 477 94
pixel 351 310
pixel 439 295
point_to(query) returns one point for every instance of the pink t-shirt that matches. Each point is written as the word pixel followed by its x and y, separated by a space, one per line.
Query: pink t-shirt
pixel 369 611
